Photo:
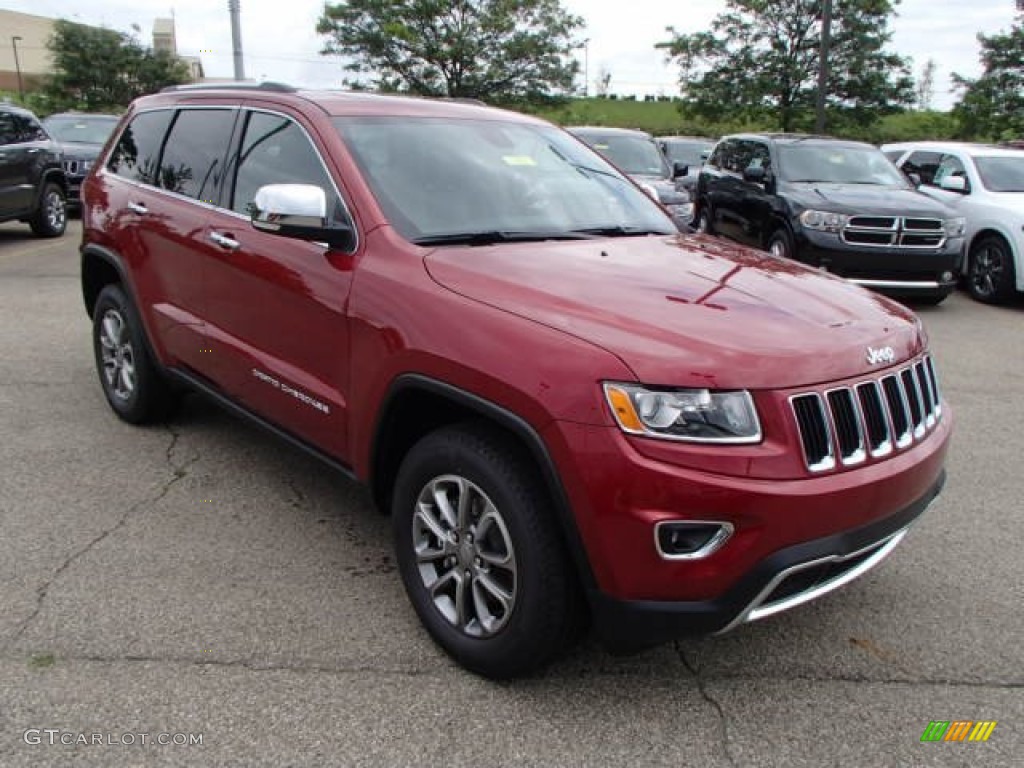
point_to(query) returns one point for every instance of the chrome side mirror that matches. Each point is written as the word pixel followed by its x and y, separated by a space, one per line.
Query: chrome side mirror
pixel 299 211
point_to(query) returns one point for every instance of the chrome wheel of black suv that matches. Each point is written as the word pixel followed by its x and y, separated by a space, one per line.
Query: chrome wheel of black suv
pixel 991 278
pixel 51 218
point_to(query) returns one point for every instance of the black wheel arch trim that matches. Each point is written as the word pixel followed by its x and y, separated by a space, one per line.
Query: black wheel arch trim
pixel 112 259
pixel 517 426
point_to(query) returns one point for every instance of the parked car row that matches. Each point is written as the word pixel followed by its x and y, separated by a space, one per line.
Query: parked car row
pixel 43 164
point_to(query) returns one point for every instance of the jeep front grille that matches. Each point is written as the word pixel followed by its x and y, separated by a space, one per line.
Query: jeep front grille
pixel 871 418
pixel 894 232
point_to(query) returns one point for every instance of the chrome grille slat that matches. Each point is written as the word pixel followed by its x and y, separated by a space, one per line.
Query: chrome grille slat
pixel 894 232
pixel 875 417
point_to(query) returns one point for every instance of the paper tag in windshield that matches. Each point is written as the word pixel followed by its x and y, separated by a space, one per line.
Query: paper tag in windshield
pixel 518 160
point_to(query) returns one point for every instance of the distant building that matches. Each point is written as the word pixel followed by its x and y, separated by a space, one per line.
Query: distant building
pixel 32 33
pixel 29 35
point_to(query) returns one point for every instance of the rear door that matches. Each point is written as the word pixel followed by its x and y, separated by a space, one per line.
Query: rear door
pixel 23 144
pixel 161 184
pixel 277 306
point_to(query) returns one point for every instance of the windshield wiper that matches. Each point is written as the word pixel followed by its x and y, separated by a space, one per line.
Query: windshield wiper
pixel 620 231
pixel 491 236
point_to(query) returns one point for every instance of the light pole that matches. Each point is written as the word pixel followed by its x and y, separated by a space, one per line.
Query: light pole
pixel 586 68
pixel 826 39
pixel 17 66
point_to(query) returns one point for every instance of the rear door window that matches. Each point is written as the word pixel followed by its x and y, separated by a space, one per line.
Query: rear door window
pixel 137 153
pixel 192 163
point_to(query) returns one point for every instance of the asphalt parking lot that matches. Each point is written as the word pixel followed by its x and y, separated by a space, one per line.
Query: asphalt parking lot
pixel 204 579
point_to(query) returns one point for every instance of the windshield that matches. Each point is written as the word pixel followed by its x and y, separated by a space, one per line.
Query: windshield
pixel 691 153
pixel 435 177
pixel 635 155
pixel 1001 174
pixel 837 164
pixel 80 128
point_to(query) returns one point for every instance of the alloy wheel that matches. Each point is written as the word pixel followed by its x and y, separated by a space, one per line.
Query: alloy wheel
pixel 117 355
pixel 464 555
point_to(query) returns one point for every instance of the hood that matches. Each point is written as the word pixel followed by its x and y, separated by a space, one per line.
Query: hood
pixel 80 151
pixel 867 199
pixel 685 310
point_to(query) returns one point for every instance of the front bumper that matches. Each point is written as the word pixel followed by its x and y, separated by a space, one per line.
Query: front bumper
pixel 789 577
pixel 793 537
pixel 885 269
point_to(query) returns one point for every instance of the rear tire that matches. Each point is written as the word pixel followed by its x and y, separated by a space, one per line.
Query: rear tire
pixel 991 277
pixel 51 217
pixel 132 383
pixel 479 554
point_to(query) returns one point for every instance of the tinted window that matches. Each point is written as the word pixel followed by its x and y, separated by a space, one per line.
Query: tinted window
pixel 756 155
pixel 7 130
pixel 633 154
pixel 733 155
pixel 275 150
pixel 687 153
pixel 19 129
pixel 193 159
pixel 138 150
pixel 924 164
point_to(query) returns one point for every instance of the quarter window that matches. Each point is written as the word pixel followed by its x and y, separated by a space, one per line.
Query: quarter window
pixel 275 150
pixel 137 152
pixel 193 160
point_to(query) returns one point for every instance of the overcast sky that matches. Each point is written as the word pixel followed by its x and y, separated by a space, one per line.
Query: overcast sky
pixel 280 41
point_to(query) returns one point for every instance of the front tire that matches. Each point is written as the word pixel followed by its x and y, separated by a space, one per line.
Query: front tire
pixel 704 220
pixel 991 278
pixel 479 554
pixel 132 383
pixel 51 217
pixel 780 244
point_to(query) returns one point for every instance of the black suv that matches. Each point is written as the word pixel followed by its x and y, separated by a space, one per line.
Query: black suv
pixel 33 187
pixel 838 205
pixel 81 137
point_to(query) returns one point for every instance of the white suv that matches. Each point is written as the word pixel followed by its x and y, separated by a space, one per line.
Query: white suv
pixel 986 185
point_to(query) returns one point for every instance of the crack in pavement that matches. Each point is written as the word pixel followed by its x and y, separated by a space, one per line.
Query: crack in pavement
pixel 179 472
pixel 251 666
pixel 723 722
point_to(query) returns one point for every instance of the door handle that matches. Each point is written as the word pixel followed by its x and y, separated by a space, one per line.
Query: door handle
pixel 228 243
pixel 138 208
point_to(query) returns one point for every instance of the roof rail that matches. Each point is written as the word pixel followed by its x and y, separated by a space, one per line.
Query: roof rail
pixel 264 86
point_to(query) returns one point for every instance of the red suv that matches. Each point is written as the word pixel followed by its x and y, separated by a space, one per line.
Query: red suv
pixel 571 411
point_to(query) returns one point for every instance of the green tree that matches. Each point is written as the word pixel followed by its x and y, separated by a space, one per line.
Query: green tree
pixel 496 50
pixel 760 58
pixel 992 106
pixel 101 70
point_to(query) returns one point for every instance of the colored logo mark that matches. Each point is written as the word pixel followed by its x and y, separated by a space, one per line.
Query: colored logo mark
pixel 958 730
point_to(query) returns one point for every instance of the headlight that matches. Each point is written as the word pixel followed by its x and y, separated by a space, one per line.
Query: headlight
pixel 824 221
pixel 955 227
pixel 695 415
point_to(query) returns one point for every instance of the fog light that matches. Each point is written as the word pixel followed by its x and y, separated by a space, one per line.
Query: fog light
pixel 690 539
pixel 947 276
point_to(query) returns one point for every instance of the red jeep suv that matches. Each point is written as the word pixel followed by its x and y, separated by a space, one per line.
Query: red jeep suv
pixel 573 412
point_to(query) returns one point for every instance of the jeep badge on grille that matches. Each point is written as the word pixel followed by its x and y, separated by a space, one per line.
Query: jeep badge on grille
pixel 881 355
